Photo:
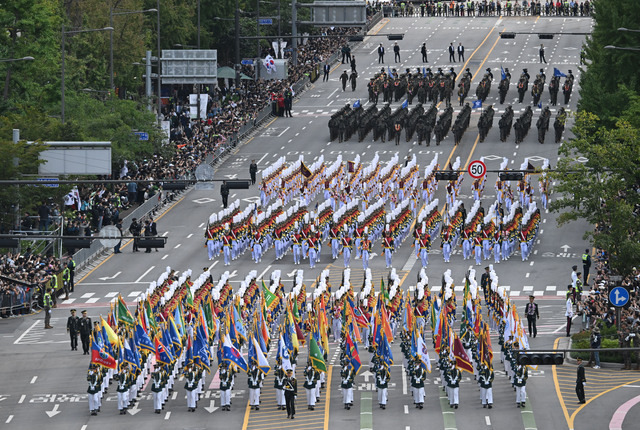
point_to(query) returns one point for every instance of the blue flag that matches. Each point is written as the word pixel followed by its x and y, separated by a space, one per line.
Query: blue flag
pixel 424 72
pixel 540 105
pixel 390 73
pixel 356 104
pixel 477 104
pixel 557 72
pixel 143 339
pixel 405 104
pixel 231 354
pixel 504 75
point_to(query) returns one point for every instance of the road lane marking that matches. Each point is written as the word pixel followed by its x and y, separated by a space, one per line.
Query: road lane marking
pixel 34 379
pixel 145 273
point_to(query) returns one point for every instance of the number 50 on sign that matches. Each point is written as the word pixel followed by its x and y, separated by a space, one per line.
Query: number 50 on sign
pixel 477 169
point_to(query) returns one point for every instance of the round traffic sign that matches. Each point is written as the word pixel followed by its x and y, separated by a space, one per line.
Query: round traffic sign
pixel 110 236
pixel 477 169
pixel 619 296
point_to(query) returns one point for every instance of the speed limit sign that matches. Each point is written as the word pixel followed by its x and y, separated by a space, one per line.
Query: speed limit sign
pixel 477 169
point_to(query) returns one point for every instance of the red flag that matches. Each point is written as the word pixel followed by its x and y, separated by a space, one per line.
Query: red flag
pixel 462 360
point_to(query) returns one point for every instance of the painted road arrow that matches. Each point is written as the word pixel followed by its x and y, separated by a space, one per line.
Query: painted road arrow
pixel 54 412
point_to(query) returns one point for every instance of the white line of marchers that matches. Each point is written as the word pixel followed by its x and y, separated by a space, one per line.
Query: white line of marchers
pixel 145 273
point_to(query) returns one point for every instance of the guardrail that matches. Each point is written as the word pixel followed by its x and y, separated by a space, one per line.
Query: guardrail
pixel 12 304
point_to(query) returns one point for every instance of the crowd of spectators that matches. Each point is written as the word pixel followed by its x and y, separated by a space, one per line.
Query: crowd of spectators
pixel 401 8
pixel 22 279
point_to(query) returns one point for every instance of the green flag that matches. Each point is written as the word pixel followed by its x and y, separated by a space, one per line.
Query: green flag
pixel 383 291
pixel 315 355
pixel 123 313
pixel 269 297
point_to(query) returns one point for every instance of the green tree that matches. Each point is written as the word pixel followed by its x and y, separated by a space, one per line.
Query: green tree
pixel 599 181
pixel 599 83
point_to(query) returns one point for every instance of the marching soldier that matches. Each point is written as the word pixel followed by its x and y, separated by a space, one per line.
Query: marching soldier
pixel 344 77
pixel 387 245
pixel 73 325
pixel 84 327
pixel 398 129
pixel 157 388
pixel 382 383
pixel 122 378
pixel 227 240
pixel 417 383
pixel 347 385
pixel 366 250
pixel 226 381
pixel 346 248
pixel 255 378
pixel 94 389
pixel 453 376
pixel 353 78
pixel 520 382
pixel 485 380
pixel 290 392
pixel 477 244
pixel 278 384
pixel 191 386
pixel 425 245
pixel 310 385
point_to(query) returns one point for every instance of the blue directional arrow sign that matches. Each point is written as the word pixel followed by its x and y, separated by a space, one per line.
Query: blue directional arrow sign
pixel 619 296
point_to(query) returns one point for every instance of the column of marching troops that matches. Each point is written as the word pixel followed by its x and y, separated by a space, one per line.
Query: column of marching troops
pixel 434 87
pixel 186 319
pixel 353 214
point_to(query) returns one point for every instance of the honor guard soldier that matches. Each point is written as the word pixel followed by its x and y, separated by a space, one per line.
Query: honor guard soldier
pixel 346 248
pixel 84 326
pixel 226 381
pixel 417 383
pixel 366 250
pixel 278 384
pixel 94 389
pixel 485 380
pixel 73 326
pixel 453 383
pixel 191 386
pixel 157 389
pixel 520 382
pixel 312 246
pixel 310 385
pixel 347 385
pixel 425 245
pixel 255 379
pixel 290 393
pixel 477 245
pixel 227 240
pixel 122 378
pixel 387 246
pixel 382 384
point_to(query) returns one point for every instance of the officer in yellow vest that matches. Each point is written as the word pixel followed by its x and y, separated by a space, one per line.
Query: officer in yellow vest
pixel 66 282
pixel 48 304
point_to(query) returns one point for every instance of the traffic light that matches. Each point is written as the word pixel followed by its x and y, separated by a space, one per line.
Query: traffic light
pixel 507 35
pixel 356 38
pixel 174 186
pixel 150 242
pixel 238 185
pixel 73 243
pixel 545 36
pixel 447 175
pixel 544 359
pixel 395 36
pixel 8 243
pixel 511 176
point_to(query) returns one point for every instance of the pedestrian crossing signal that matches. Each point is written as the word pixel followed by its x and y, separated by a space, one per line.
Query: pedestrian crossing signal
pixel 544 359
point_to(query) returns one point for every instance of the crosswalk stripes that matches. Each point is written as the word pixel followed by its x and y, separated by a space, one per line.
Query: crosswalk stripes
pixel 36 333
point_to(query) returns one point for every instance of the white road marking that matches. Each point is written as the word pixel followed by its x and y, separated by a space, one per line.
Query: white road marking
pixel 201 225
pixel 214 263
pixel 34 379
pixel 487 420
pixel 406 409
pixel 87 295
pixel 24 396
pixel 145 273
pixel 177 246
pixel 9 418
pixel 168 414
pixel 189 236
pixel 263 272
pixel 93 300
pixel 164 257
pixel 164 234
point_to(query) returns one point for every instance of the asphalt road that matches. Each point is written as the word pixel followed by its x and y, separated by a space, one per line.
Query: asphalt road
pixel 44 383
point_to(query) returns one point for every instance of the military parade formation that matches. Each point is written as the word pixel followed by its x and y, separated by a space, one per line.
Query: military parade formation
pixel 385 124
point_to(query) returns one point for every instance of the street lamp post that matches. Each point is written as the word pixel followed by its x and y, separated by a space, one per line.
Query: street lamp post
pixel 621 48
pixel 64 38
pixel 111 15
pixel 11 60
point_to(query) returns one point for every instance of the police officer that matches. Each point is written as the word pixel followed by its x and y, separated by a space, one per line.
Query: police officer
pixel 326 68
pixel 48 304
pixel 586 266
pixel 73 324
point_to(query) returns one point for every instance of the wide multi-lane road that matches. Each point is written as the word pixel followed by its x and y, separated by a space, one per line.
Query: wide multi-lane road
pixel 44 383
